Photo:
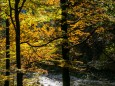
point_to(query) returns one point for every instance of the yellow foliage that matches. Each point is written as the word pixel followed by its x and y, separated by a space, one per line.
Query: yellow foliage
pixel 100 30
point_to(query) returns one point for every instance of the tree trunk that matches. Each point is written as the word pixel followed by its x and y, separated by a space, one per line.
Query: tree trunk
pixel 7 53
pixel 65 48
pixel 18 58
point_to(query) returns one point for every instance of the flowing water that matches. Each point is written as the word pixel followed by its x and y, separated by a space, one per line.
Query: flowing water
pixel 56 80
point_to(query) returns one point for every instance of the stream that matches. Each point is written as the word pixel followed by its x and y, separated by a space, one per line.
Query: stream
pixel 56 80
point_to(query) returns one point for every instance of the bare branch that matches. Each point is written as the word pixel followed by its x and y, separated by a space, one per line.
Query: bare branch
pixel 35 52
pixel 20 8
pixel 93 31
pixel 11 15
pixel 50 41
pixel 109 57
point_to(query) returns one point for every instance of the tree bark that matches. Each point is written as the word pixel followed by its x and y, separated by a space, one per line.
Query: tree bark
pixel 18 58
pixel 65 48
pixel 7 53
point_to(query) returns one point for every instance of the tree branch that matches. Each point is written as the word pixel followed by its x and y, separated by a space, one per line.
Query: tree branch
pixel 93 31
pixel 108 57
pixel 35 52
pixel 20 8
pixel 50 41
pixel 11 15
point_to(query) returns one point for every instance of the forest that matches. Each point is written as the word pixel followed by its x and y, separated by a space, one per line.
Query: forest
pixel 57 42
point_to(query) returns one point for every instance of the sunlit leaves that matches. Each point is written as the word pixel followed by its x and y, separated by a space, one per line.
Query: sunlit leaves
pixel 100 30
pixel 40 23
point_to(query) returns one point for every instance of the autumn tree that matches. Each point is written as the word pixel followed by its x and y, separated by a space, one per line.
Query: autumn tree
pixel 7 53
pixel 65 46
pixel 5 20
pixel 16 23
pixel 85 33
pixel 89 25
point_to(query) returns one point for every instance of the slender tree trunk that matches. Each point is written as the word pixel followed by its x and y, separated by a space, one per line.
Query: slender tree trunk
pixel 7 53
pixel 65 48
pixel 18 58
